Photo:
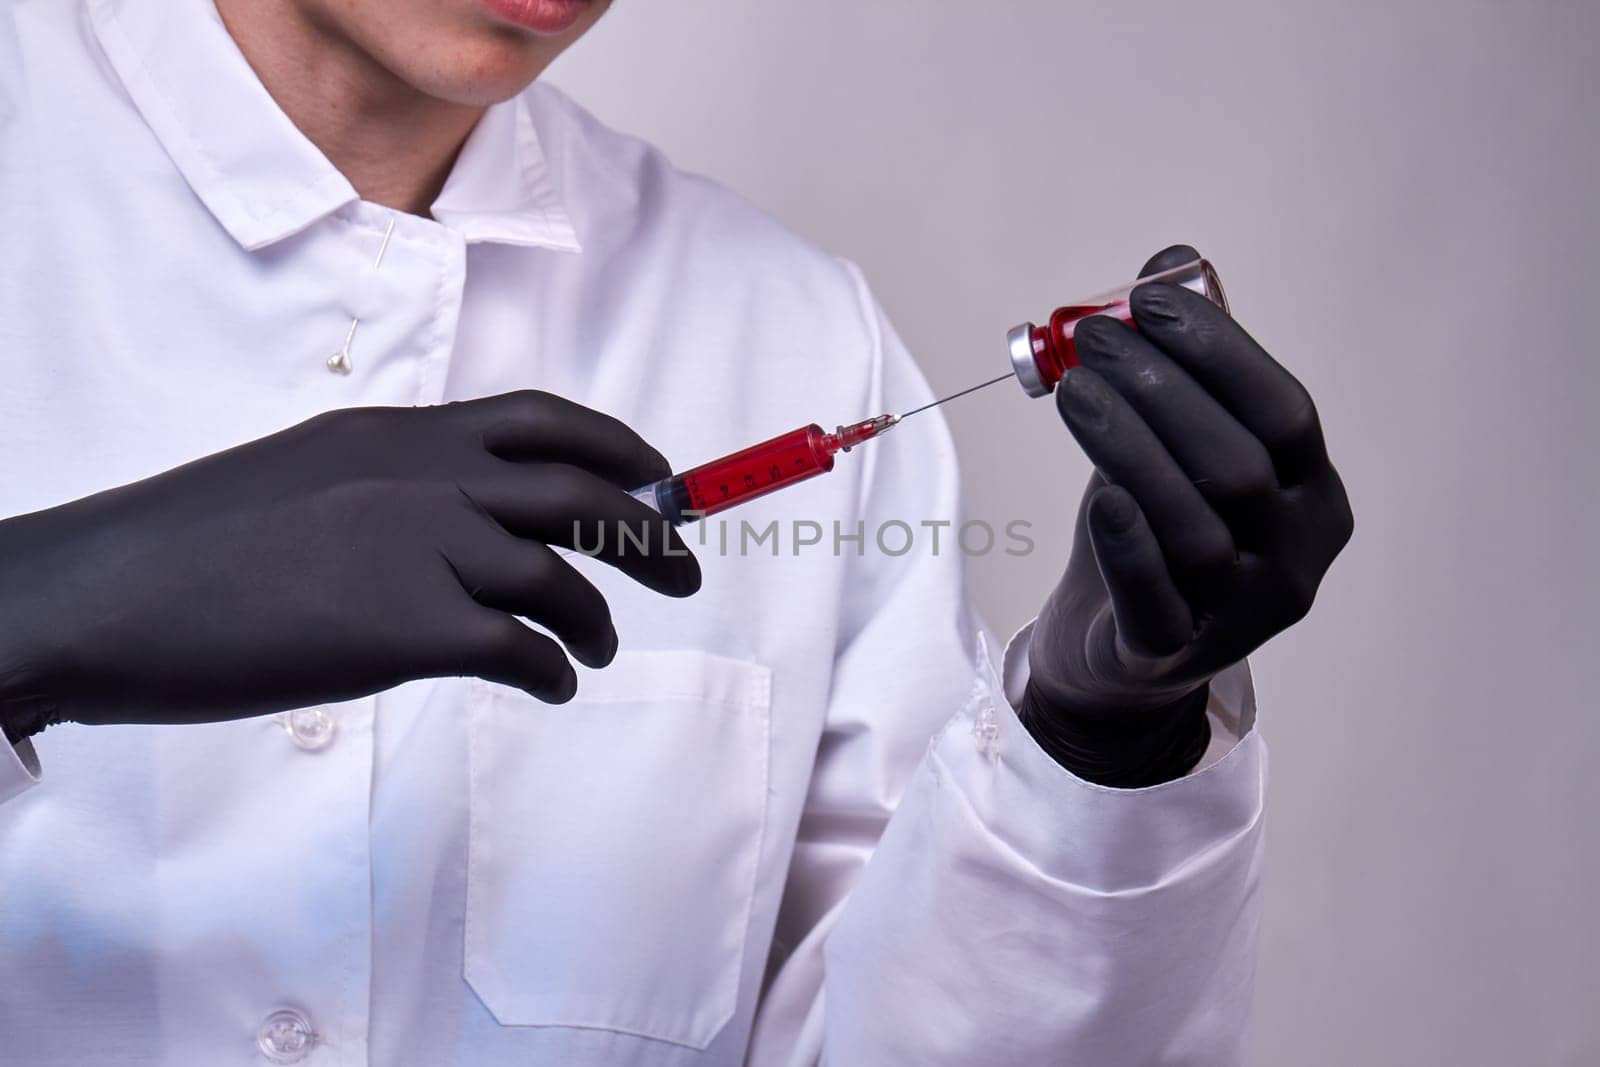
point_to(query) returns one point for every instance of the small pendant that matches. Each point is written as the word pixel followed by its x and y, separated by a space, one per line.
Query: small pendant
pixel 339 362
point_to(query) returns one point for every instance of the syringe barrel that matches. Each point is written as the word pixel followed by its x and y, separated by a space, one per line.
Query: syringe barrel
pixel 1040 355
pixel 741 476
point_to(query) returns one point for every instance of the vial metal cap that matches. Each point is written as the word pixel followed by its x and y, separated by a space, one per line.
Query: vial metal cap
pixel 1019 343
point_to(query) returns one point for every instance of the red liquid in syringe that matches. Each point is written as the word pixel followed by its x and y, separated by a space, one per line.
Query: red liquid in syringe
pixel 756 471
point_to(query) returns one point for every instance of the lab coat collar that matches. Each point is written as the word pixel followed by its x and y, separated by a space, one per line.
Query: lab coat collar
pixel 501 188
pixel 259 175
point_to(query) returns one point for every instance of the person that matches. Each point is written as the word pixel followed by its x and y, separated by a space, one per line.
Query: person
pixel 327 328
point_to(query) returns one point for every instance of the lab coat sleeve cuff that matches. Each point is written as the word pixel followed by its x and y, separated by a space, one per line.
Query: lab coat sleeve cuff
pixel 19 768
pixel 1093 836
pixel 1015 913
pixel 1232 708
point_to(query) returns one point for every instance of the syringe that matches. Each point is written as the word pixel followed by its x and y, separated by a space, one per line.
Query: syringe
pixel 1040 355
pixel 756 471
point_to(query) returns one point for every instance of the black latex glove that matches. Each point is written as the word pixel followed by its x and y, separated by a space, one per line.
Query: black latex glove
pixel 357 550
pixel 1210 520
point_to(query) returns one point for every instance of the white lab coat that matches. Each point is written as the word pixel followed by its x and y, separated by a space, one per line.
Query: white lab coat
pixel 796 821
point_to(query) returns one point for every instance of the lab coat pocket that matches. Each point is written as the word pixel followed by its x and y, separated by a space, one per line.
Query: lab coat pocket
pixel 614 844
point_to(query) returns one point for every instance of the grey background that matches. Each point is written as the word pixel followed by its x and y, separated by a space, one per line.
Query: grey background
pixel 1400 200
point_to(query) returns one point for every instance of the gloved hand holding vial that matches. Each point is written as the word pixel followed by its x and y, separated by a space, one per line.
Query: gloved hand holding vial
pixel 1210 533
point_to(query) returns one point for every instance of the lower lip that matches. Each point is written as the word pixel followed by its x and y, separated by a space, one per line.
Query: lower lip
pixel 540 16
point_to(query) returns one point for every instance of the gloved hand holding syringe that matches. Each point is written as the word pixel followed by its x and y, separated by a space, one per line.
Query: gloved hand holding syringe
pixel 1039 357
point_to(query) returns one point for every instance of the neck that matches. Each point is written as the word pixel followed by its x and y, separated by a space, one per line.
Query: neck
pixel 394 143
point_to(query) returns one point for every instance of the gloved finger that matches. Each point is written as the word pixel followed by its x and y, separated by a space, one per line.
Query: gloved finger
pixel 1218 353
pixel 1225 461
pixel 496 647
pixel 531 425
pixel 1152 617
pixel 1167 258
pixel 1309 524
pixel 1194 540
pixel 528 579
pixel 569 507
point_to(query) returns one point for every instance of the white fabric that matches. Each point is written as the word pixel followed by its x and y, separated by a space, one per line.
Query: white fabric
pixel 694 863
pixel 19 768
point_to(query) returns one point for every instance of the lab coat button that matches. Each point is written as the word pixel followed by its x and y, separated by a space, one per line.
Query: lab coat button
pixel 311 728
pixel 285 1037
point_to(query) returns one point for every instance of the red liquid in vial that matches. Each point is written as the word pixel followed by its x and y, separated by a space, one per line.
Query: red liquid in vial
pixel 1054 350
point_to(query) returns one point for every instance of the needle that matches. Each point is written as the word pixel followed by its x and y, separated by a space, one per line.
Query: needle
pixel 952 396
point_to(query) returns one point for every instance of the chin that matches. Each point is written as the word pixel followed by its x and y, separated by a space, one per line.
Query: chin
pixel 478 72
